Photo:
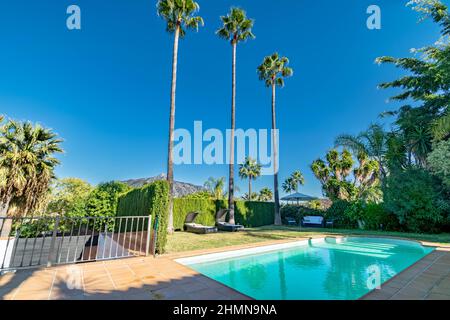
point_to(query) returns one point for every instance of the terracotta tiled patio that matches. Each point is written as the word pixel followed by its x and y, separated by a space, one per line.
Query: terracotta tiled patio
pixel 163 278
pixel 128 279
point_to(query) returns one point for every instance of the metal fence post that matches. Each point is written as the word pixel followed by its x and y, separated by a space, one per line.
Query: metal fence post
pixel 149 230
pixel 53 242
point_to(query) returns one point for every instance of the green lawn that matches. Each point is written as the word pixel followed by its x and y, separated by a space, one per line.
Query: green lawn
pixel 182 241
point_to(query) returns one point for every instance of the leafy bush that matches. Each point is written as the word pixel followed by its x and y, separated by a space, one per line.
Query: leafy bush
pixel 33 228
pixel 337 213
pixel 412 196
pixel 439 161
pixel 370 216
pixel 152 199
pixel 298 212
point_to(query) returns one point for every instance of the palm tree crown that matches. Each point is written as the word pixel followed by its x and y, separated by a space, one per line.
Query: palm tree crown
pixel 292 183
pixel 180 14
pixel 265 195
pixel 250 170
pixel 26 162
pixel 236 26
pixel 274 69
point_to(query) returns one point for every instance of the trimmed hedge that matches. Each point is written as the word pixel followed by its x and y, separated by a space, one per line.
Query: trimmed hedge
pixel 254 214
pixel 206 208
pixel 152 199
pixel 249 214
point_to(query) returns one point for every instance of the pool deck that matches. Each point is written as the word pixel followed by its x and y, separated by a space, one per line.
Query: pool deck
pixel 164 279
pixel 428 279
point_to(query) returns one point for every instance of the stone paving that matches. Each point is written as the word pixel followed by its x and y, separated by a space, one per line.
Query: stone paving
pixel 428 279
pixel 127 279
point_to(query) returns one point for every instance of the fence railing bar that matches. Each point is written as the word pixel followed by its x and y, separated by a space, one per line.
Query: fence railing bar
pixel 51 253
pixel 84 240
pixel 105 237
pixel 61 244
pixel 92 240
pixel 112 239
pixel 24 248
pixel 125 237
pixel 149 229
pixel 118 237
pixel 70 241
pixel 76 243
pixel 44 237
pixel 7 244
pixel 142 234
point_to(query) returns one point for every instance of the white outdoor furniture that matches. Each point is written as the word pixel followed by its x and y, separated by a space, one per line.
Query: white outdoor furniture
pixel 313 221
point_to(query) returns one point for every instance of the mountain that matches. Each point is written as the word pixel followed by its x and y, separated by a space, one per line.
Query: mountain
pixel 181 189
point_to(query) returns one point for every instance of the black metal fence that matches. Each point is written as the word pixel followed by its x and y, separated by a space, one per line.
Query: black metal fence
pixel 45 241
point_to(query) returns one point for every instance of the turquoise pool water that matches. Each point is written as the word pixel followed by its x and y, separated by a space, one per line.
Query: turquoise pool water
pixel 316 271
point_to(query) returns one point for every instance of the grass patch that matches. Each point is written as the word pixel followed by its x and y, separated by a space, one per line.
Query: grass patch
pixel 182 241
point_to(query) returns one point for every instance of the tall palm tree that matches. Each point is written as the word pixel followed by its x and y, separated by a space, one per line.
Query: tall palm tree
pixel 273 71
pixel 250 170
pixel 26 165
pixel 180 16
pixel 236 28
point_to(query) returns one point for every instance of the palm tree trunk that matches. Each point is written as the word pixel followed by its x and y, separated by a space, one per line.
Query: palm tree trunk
pixel 275 158
pixel 233 127
pixel 249 189
pixel 172 128
pixel 5 224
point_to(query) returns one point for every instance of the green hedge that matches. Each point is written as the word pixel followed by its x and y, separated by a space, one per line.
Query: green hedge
pixel 249 214
pixel 152 199
pixel 206 209
pixel 254 214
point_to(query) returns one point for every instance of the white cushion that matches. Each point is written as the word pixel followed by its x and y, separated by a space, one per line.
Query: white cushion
pixel 313 220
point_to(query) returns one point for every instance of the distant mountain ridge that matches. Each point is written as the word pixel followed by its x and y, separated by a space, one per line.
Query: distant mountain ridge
pixel 181 189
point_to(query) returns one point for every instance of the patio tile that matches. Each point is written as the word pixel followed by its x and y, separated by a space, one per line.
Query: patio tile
pixel 436 296
pixel 411 293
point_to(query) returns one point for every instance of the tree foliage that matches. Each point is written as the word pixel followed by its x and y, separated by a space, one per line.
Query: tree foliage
pixel 27 163
pixel 439 161
pixel 292 183
pixel 334 174
pixel 180 14
pixel 69 197
pixel 414 197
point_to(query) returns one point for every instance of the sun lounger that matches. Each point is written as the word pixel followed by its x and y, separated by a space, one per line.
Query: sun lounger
pixel 222 225
pixel 190 226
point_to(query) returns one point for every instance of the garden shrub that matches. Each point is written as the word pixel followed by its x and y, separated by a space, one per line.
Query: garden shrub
pixel 337 213
pixel 298 212
pixel 152 199
pixel 370 216
pixel 412 196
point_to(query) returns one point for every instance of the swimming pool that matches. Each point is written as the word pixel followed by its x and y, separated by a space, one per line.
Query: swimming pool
pixel 319 269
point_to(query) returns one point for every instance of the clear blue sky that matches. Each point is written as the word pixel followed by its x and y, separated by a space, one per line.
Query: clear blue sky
pixel 105 89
